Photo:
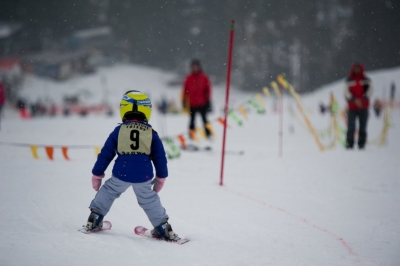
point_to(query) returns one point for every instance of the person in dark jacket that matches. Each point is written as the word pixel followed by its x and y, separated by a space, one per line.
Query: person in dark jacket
pixel 197 96
pixel 357 92
pixel 137 146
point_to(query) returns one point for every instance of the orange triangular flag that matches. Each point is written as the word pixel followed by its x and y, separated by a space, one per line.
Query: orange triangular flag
pixel 182 140
pixel 34 152
pixel 222 122
pixel 64 151
pixel 49 152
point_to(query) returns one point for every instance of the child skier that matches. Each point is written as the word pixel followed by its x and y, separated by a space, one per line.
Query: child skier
pixel 136 144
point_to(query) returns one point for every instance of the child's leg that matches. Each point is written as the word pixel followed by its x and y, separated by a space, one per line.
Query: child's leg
pixel 150 202
pixel 111 190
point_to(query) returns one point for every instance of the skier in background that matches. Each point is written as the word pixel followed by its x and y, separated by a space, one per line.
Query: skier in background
pixel 392 94
pixel 2 97
pixel 196 96
pixel 137 145
pixel 357 92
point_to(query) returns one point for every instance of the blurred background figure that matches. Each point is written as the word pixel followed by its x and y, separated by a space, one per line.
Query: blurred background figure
pixel 196 96
pixel 392 94
pixel 357 92
pixel 2 98
pixel 378 107
pixel 163 105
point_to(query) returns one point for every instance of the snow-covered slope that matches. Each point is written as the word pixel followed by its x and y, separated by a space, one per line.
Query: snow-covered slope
pixel 307 208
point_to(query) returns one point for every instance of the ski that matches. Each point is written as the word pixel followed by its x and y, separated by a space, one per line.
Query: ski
pixel 143 231
pixel 208 149
pixel 193 147
pixel 106 226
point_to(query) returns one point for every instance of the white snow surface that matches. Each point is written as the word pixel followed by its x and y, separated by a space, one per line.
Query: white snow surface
pixel 307 207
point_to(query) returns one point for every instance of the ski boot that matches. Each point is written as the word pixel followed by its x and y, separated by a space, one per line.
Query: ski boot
pixel 164 231
pixel 95 221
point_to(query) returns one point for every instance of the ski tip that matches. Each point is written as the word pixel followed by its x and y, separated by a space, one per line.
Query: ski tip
pixel 140 230
pixel 108 224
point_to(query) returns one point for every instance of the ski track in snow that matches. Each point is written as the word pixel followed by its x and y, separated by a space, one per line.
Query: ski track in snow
pixel 342 241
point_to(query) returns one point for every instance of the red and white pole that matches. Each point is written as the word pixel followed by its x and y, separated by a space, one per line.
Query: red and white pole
pixel 226 109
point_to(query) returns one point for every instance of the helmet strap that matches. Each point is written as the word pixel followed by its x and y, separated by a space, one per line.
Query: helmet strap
pixel 134 106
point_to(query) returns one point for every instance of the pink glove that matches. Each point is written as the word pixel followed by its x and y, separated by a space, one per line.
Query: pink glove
pixel 158 183
pixel 96 181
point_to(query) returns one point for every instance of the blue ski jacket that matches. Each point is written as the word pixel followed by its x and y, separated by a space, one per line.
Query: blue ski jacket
pixel 133 164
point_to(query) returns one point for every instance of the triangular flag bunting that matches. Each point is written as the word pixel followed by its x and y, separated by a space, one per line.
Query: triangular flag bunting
pixel 34 152
pixel 256 105
pixel 281 79
pixel 235 118
pixel 243 111
pixel 266 92
pixel 223 122
pixel 49 152
pixel 171 149
pixel 64 151
pixel 276 89
pixel 182 140
pixel 96 150
pixel 260 99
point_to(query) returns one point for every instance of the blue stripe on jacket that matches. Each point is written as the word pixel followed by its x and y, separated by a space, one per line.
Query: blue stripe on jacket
pixel 131 168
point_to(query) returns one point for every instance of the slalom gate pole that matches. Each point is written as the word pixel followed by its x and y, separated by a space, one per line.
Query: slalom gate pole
pixel 226 109
pixel 281 123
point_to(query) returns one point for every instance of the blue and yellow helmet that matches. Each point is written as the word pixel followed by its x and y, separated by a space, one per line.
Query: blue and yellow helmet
pixel 135 105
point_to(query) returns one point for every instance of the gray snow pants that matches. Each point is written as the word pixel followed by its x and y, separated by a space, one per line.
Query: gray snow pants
pixel 146 197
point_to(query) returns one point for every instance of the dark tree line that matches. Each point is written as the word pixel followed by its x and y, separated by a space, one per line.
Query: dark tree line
pixel 312 42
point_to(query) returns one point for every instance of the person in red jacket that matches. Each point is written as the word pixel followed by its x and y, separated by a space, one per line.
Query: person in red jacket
pixel 357 92
pixel 2 97
pixel 197 95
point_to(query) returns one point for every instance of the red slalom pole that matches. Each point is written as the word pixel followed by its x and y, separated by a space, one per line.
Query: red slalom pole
pixel 228 82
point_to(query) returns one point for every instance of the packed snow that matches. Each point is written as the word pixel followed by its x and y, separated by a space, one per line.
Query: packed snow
pixel 307 207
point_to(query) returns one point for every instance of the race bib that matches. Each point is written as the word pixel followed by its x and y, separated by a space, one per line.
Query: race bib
pixel 134 138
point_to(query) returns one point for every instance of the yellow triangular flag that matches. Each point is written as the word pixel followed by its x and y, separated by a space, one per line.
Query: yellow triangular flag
pixel 260 99
pixel 283 81
pixel 97 150
pixel 276 89
pixel 266 92
pixel 243 111
pixel 34 152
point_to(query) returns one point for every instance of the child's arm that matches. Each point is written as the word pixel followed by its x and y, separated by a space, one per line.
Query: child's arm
pixel 107 154
pixel 158 156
